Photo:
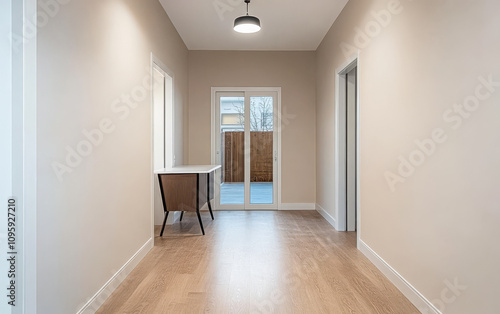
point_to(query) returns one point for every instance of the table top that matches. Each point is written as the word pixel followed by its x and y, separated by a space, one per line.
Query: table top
pixel 188 169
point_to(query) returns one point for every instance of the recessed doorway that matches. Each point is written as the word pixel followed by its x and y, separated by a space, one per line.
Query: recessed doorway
pixel 162 96
pixel 347 143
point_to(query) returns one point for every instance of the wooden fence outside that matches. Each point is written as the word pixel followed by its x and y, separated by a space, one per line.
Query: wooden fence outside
pixel 261 156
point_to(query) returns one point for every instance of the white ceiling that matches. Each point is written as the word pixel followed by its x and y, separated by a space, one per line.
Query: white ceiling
pixel 286 24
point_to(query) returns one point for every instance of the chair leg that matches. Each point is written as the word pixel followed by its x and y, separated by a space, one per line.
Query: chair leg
pixel 182 215
pixel 210 209
pixel 164 222
pixel 201 223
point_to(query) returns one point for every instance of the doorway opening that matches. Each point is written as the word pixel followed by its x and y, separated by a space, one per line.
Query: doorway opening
pixel 347 143
pixel 245 142
pixel 162 96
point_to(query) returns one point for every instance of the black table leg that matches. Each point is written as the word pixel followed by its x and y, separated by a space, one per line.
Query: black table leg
pixel 210 209
pixel 201 223
pixel 164 222
pixel 182 215
pixel 164 205
pixel 208 196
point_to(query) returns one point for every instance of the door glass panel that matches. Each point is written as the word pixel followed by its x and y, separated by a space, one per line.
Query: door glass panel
pixel 261 150
pixel 232 150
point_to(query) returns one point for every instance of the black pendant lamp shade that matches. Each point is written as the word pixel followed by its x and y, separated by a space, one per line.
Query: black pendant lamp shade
pixel 247 24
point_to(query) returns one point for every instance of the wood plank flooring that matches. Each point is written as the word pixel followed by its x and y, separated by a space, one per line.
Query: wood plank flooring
pixel 256 262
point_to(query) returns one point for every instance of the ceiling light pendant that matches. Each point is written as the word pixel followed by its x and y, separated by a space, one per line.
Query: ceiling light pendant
pixel 247 24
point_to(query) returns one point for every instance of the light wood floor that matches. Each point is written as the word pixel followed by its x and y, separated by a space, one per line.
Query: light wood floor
pixel 256 262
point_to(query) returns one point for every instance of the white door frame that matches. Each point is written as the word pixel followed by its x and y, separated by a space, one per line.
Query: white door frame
pixel 340 144
pixel 214 132
pixel 6 142
pixel 351 151
pixel 168 127
pixel 23 47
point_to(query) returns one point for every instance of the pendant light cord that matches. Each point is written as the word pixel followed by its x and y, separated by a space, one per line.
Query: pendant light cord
pixel 247 2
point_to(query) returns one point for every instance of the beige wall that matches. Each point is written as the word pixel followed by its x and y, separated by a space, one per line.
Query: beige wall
pixel 440 225
pixel 294 73
pixel 90 224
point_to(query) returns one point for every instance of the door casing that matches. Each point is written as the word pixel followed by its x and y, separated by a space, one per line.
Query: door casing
pixel 341 149
pixel 162 134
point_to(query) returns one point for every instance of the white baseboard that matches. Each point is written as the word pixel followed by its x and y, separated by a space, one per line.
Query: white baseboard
pixel 297 206
pixel 327 216
pixel 415 297
pixel 98 299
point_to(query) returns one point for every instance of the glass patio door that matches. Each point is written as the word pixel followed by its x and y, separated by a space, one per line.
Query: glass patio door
pixel 246 148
